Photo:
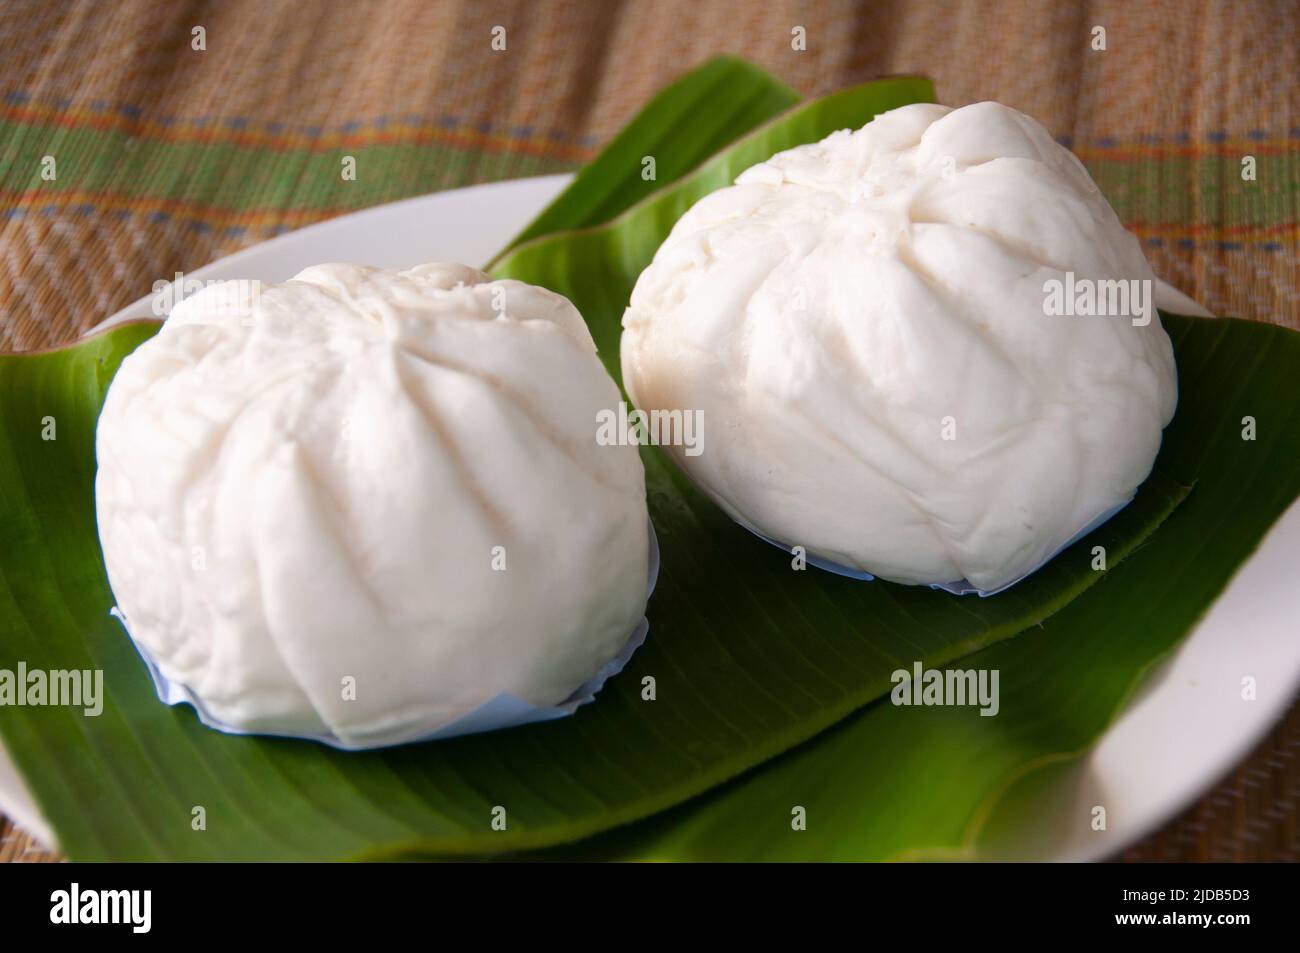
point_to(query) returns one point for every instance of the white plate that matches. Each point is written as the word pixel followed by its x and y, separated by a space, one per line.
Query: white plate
pixel 1187 726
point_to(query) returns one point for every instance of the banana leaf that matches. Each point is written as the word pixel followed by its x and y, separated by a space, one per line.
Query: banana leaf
pixel 686 123
pixel 750 656
pixel 923 782
pixel 935 800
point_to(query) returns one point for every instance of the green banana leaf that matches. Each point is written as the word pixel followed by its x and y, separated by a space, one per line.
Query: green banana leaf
pixel 686 123
pixel 934 800
pixel 750 656
pixel 916 782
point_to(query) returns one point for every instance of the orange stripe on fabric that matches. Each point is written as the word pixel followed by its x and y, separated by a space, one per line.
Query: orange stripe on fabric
pixel 266 217
pixel 75 118
pixel 72 117
pixel 110 202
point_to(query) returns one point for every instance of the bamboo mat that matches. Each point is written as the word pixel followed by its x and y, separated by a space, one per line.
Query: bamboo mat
pixel 167 157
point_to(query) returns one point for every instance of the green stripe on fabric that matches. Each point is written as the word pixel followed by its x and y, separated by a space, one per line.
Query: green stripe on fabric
pixel 242 178
pixel 1162 191
pixel 1184 190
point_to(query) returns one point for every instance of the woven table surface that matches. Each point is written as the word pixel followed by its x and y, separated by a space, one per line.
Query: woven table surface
pixel 168 157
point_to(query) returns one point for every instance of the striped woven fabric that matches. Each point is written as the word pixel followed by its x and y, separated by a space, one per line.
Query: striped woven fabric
pixel 127 153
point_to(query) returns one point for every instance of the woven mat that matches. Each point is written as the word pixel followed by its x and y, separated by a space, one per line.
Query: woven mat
pixel 167 157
